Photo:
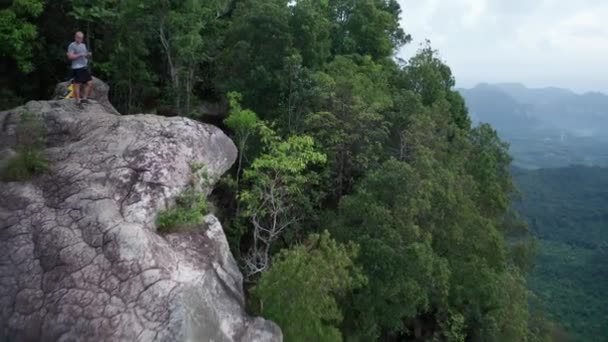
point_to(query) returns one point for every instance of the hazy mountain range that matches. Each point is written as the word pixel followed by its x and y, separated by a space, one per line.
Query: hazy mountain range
pixel 546 127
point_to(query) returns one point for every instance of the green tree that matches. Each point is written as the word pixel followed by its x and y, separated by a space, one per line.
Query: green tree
pixel 489 164
pixel 18 33
pixel 301 290
pixel 280 190
pixel 256 45
pixel 406 107
pixel 366 27
pixel 430 78
pixel 380 151
pixel 243 123
pixel 93 12
pixel 423 213
pixel 299 95
pixel 30 160
pixel 405 276
pixel 311 27
pixel 127 67
pixel 349 124
pixel 181 29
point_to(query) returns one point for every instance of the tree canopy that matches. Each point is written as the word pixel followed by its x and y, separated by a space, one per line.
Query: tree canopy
pixel 363 205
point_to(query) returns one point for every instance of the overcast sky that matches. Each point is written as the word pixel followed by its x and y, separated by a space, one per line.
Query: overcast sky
pixel 561 43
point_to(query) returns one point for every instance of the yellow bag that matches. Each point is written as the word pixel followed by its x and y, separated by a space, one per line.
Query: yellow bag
pixel 69 94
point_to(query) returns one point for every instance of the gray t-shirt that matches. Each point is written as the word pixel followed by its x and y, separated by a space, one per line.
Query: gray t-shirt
pixel 82 61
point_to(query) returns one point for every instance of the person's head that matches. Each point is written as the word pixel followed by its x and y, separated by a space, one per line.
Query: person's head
pixel 78 37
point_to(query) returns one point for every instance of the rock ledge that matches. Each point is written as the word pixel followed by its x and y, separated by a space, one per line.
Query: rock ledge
pixel 80 258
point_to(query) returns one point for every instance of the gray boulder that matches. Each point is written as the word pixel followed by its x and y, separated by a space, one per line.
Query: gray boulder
pixel 99 93
pixel 80 256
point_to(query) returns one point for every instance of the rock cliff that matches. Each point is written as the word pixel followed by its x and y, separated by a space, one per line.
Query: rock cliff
pixel 80 259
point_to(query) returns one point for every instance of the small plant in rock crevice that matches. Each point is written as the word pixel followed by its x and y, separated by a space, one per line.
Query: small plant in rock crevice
pixel 190 206
pixel 29 161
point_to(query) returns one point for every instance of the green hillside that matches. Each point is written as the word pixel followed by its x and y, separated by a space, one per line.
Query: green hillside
pixel 567 209
pixel 363 206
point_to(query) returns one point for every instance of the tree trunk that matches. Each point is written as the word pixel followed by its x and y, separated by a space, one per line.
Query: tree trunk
pixel 173 69
pixel 242 142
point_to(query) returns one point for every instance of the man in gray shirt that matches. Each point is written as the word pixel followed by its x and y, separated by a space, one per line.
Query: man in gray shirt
pixel 78 54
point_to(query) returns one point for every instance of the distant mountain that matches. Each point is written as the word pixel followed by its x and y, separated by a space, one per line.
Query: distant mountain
pixel 512 105
pixel 490 104
pixel 547 127
pixel 534 95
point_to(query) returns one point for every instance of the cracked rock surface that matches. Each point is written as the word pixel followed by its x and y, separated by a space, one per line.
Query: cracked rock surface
pixel 80 259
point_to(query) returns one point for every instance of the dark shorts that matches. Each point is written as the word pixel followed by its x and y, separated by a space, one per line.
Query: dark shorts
pixel 81 75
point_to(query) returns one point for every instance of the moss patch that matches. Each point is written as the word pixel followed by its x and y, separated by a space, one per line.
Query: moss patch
pixel 29 161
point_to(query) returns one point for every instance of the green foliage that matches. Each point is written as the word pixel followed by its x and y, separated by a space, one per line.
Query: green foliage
pixel 332 132
pixel 241 121
pixel 366 27
pixel 396 255
pixel 417 259
pixel 349 125
pixel 567 209
pixel 301 290
pixel 311 27
pixel 17 33
pixel 244 123
pixel 489 165
pixel 299 96
pixel 93 11
pixel 25 165
pixel 430 78
pixel 280 192
pixel 284 167
pixel 181 26
pixel 190 206
pixel 543 329
pixel 258 41
pixel 449 262
pixel 185 215
pixel 132 79
pixel 29 161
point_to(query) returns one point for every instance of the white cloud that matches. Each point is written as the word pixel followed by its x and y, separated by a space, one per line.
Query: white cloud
pixel 537 42
pixel 475 11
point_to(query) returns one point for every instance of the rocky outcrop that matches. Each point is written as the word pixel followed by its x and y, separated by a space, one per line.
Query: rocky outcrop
pixel 99 93
pixel 80 259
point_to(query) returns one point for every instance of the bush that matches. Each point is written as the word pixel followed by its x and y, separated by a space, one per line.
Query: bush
pixel 301 290
pixel 190 206
pixel 186 215
pixel 25 165
pixel 29 161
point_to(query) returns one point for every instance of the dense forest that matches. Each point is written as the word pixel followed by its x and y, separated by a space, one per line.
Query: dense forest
pixel 567 209
pixel 364 205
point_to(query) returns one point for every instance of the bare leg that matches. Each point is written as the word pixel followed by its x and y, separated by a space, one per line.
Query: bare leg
pixel 87 90
pixel 77 91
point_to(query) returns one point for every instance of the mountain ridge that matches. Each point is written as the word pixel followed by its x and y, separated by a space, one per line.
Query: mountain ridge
pixel 519 85
pixel 546 127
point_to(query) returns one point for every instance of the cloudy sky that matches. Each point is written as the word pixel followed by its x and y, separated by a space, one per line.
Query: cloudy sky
pixel 561 43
